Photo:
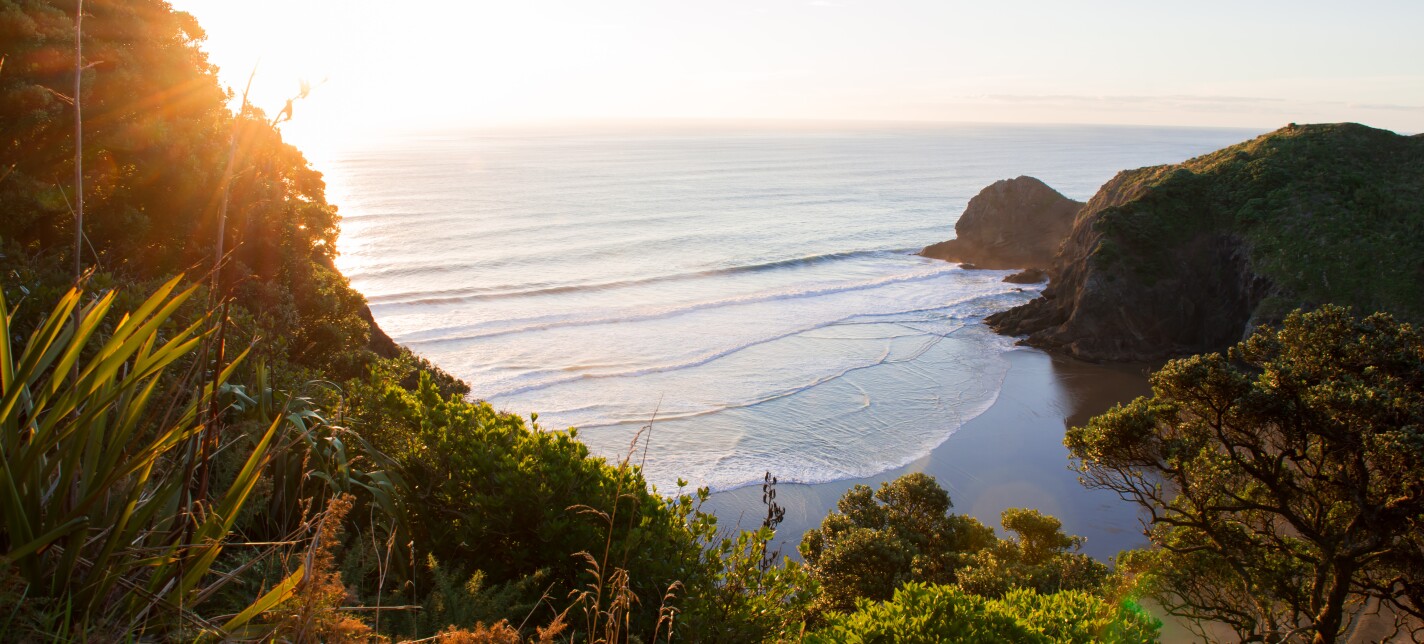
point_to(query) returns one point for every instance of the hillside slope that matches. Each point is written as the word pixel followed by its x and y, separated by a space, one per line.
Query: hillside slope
pixel 1187 258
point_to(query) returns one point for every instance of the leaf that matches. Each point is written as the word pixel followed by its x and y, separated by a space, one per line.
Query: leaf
pixel 44 539
pixel 282 592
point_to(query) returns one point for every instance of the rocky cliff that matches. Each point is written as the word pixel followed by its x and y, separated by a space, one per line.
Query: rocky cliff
pixel 1013 223
pixel 1188 258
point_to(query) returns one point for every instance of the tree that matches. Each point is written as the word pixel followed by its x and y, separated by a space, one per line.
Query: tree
pixel 1284 481
pixel 161 157
pixel 880 540
pixel 1041 558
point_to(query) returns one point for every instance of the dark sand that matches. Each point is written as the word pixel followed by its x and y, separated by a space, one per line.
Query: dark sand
pixel 1010 456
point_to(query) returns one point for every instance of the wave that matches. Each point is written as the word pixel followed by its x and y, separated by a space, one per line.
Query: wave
pixel 545 323
pixel 884 359
pixel 666 368
pixel 776 395
pixel 738 468
pixel 718 354
pixel 469 294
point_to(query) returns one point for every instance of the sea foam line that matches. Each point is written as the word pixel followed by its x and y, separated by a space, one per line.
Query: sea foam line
pixel 545 323
pixel 716 355
pixel 883 360
pixel 812 474
pixel 699 360
pixel 524 290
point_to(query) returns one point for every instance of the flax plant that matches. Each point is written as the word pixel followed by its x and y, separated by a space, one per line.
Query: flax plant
pixel 92 425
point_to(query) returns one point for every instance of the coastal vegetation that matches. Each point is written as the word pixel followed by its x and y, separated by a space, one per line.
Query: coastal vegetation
pixel 1173 260
pixel 922 614
pixel 205 437
pixel 1283 479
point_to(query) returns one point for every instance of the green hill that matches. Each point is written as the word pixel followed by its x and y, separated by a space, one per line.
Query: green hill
pixel 1188 258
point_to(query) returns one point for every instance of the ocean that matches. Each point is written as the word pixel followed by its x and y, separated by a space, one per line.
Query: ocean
pixel 741 299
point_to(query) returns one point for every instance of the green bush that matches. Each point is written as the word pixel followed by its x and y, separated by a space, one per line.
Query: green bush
pixel 1040 558
pixel 939 613
pixel 879 540
pixel 741 594
pixel 920 613
pixel 488 492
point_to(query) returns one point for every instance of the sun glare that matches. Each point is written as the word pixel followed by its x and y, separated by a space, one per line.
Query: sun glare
pixel 443 64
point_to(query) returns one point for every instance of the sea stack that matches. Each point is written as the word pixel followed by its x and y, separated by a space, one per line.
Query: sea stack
pixel 1013 223
pixel 1190 258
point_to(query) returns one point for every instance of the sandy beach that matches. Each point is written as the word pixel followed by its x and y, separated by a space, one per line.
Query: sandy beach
pixel 1010 456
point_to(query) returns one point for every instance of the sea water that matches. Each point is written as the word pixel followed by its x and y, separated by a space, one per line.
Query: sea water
pixel 715 302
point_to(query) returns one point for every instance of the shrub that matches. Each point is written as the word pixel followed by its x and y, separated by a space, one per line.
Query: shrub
pixel 878 541
pixel 938 613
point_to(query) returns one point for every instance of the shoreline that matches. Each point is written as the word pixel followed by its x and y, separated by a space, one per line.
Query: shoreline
pixel 1012 455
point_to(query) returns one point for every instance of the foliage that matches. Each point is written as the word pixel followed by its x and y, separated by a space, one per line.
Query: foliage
pixel 488 492
pixel 924 613
pixel 500 633
pixel 102 535
pixel 1330 213
pixel 318 460
pixel 157 138
pixel 939 613
pixel 497 633
pixel 1040 558
pixel 739 595
pixel 156 143
pixel 879 540
pixel 460 601
pixel 97 441
pixel 903 534
pixel 310 613
pixel 1283 480
pixel 1079 616
pixel 153 111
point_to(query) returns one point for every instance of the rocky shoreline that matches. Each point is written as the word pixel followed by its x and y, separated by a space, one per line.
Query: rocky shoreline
pixel 1188 258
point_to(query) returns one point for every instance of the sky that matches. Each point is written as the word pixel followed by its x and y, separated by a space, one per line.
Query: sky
pixel 379 66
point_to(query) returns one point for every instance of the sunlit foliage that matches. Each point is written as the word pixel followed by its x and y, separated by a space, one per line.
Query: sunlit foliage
pixel 1283 479
pixel 921 613
pixel 878 540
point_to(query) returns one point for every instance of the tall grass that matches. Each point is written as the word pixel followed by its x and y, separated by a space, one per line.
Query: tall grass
pixel 607 599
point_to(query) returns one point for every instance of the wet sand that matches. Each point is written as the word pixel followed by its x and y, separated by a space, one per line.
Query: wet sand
pixel 1010 456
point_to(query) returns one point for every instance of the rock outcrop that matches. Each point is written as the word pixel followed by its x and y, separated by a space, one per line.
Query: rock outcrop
pixel 1189 258
pixel 1013 223
pixel 1028 276
pixel 1099 312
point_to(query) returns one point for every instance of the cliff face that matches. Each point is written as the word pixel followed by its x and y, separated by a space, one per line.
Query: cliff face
pixel 1013 223
pixel 1188 258
pixel 1099 312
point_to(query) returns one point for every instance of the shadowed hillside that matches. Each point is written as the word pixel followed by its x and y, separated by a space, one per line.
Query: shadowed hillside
pixel 1185 258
